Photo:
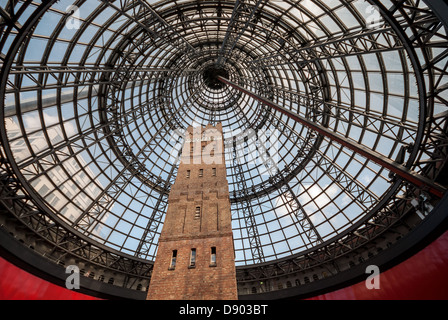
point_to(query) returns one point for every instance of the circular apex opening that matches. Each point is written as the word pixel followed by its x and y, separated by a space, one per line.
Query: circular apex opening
pixel 210 77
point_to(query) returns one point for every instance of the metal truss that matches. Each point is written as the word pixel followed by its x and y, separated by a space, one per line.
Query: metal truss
pixel 311 235
pixel 63 243
pixel 140 11
pixel 356 43
pixel 326 255
pixel 242 16
pixel 151 230
pixel 246 208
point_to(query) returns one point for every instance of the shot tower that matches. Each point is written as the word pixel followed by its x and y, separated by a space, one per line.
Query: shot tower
pixel 195 258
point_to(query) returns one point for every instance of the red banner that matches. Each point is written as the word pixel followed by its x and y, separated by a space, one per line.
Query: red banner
pixel 17 284
pixel 424 276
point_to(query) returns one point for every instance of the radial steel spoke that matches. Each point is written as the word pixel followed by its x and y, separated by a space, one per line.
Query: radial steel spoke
pixel 142 9
pixel 237 26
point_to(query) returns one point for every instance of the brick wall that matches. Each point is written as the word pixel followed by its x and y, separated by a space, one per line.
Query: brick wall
pixel 186 228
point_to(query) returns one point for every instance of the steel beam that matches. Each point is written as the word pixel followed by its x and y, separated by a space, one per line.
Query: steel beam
pixel 228 33
pixel 238 27
pixel 355 43
pixel 163 30
pixel 400 170
pixel 49 101
pixel 247 210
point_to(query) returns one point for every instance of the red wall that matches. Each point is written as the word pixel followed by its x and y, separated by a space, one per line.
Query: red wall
pixel 423 276
pixel 16 284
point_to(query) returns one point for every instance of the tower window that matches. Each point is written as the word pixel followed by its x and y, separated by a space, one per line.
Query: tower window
pixel 214 172
pixel 201 173
pixel 192 258
pixel 197 213
pixel 213 257
pixel 173 260
pixel 188 174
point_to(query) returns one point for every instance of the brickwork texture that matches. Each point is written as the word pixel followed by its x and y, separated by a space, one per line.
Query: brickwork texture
pixel 195 258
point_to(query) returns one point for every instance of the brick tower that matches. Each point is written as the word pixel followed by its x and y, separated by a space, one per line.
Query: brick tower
pixel 195 258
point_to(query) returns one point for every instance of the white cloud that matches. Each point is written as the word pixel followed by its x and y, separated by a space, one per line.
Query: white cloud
pixel 33 122
pixel 308 193
pixel 314 192
pixel 313 198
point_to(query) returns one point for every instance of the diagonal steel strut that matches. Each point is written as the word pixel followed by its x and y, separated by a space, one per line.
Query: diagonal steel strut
pixel 403 172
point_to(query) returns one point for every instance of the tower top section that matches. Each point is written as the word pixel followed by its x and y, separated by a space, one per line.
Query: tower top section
pixel 203 145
